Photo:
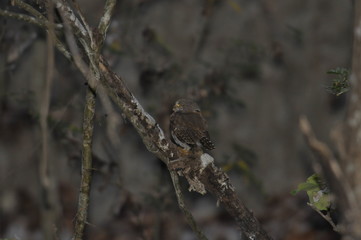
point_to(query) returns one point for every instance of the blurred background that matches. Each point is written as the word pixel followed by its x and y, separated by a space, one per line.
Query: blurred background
pixel 253 66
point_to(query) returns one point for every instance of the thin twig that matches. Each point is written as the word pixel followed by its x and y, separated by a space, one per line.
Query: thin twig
pixel 39 23
pixel 327 217
pixel 72 18
pixel 50 198
pixel 326 156
pixel 105 20
pixel 85 37
pixel 60 46
pixel 188 215
pixel 84 69
pixel 85 23
pixel 320 148
pixel 338 181
pixel 88 124
pixel 29 9
pixel 22 17
pixel 40 17
pixel 86 170
pixel 89 113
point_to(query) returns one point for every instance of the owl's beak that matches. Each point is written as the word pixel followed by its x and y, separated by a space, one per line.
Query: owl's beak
pixel 176 106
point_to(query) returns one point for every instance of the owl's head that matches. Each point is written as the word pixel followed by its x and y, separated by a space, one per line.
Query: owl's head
pixel 186 105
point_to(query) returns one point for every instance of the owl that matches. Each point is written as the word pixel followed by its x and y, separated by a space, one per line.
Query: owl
pixel 188 127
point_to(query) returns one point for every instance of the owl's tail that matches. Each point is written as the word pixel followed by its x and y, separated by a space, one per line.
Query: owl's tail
pixel 207 143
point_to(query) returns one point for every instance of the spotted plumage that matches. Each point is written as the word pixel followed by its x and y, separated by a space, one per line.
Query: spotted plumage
pixel 188 127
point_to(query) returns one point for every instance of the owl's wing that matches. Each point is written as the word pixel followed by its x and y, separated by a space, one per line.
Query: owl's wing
pixel 179 127
pixel 191 128
pixel 199 129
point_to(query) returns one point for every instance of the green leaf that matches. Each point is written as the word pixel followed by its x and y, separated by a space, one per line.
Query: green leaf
pixel 317 192
pixel 304 187
pixel 319 199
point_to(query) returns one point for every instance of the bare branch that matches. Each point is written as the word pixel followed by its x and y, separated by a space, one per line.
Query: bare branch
pixel 217 182
pixel 39 23
pixel 213 179
pixel 86 170
pixel 327 217
pixel 40 17
pixel 105 20
pixel 188 215
pixel 334 174
pixel 22 17
pixel 50 205
pixel 60 46
pixel 85 24
pixel 148 129
pixel 321 149
pixel 74 49
pixel 72 18
pixel 85 37
pixel 30 10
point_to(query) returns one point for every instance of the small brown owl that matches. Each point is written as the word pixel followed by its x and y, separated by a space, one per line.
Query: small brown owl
pixel 188 127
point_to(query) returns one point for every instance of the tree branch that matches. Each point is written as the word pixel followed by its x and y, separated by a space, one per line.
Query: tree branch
pixel 217 182
pixel 105 20
pixel 83 21
pixel 77 26
pixel 328 218
pixel 22 17
pixel 88 125
pixel 30 10
pixel 38 16
pixel 213 179
pixel 333 173
pixel 188 215
pixel 86 170
pixel 50 204
pixel 40 23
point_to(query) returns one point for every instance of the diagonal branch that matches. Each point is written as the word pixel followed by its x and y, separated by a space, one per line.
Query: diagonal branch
pixel 182 206
pixel 218 183
pixel 79 30
pixel 40 18
pixel 213 179
pixel 22 17
pixel 105 20
pixel 82 18
pixel 148 129
pixel 40 23
pixel 30 10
